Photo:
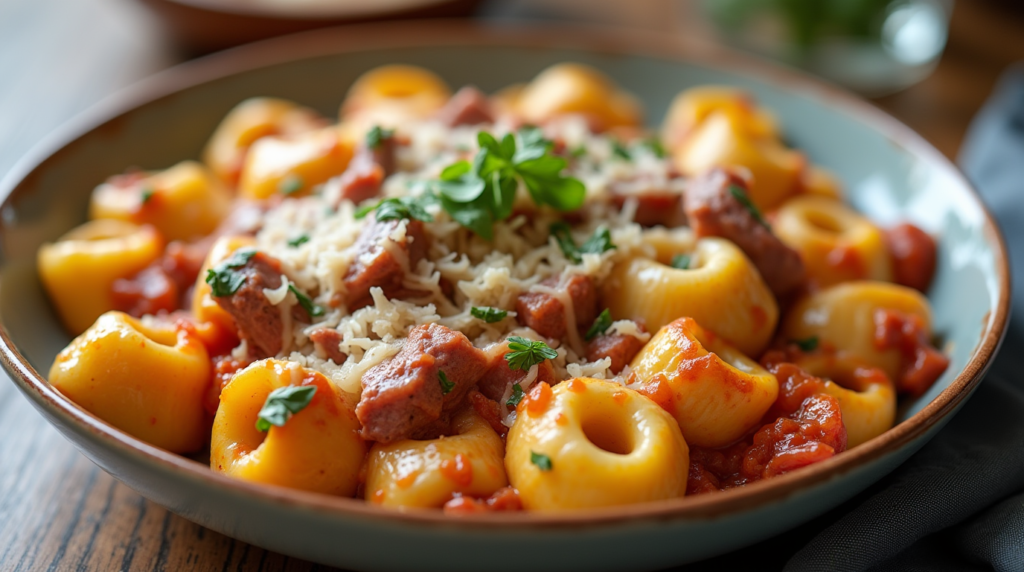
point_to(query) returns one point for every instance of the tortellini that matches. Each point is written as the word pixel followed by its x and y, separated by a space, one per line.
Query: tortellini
pixel 836 243
pixel 317 449
pixel 79 269
pixel 413 473
pixel 693 106
pixel 721 289
pixel 294 165
pixel 204 307
pixel 574 89
pixel 590 443
pixel 145 378
pixel 183 202
pixel 392 95
pixel 715 393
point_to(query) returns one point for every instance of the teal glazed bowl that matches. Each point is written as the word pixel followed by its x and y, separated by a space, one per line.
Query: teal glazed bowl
pixel 890 173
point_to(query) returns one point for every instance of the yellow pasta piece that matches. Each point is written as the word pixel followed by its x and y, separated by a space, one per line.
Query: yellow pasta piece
pixel 866 395
pixel 721 289
pixel 294 165
pixel 691 107
pixel 145 378
pixel 393 94
pixel 715 393
pixel 79 269
pixel 317 449
pixel 183 202
pixel 427 473
pixel 204 307
pixel 842 317
pixel 569 88
pixel 820 182
pixel 248 121
pixel 593 443
pixel 836 243
pixel 723 141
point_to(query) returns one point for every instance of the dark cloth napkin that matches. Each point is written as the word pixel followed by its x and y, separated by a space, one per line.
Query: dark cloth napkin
pixel 958 504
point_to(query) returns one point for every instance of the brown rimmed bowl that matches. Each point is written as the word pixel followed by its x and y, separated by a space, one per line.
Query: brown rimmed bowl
pixel 890 172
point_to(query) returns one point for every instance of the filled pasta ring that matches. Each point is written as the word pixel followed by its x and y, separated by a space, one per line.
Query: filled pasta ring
pixel 592 443
pixel 720 289
pixel 390 95
pixel 574 89
pixel 413 473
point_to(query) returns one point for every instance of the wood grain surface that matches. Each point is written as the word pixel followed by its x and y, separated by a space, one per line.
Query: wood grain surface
pixel 58 511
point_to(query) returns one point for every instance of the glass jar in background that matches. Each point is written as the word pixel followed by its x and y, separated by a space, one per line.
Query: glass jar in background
pixel 872 46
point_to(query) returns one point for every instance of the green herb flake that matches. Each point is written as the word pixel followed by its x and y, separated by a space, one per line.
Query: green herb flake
pixel 681 261
pixel 446 385
pixel 517 395
pixel 599 242
pixel 578 152
pixel 618 150
pixel 601 325
pixel 542 461
pixel 526 353
pixel 224 279
pixel 146 195
pixel 377 135
pixel 741 196
pixel 399 208
pixel 298 240
pixel 656 148
pixel 489 315
pixel 311 308
pixel 290 184
pixel 807 344
pixel 282 403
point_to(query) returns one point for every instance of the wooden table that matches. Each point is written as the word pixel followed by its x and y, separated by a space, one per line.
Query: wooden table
pixel 58 511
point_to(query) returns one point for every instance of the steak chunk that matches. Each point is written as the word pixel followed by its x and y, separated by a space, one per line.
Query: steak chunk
pixel 367 170
pixel 376 263
pixel 404 394
pixel 545 313
pixel 713 210
pixel 469 106
pixel 620 347
pixel 327 340
pixel 499 376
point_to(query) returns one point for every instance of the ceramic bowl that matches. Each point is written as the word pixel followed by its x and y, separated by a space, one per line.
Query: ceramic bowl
pixel 889 171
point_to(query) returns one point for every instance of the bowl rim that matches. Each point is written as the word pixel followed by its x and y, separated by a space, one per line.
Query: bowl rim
pixel 455 33
pixel 326 13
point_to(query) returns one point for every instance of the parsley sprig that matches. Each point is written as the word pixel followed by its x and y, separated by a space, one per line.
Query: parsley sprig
pixel 741 196
pixel 311 308
pixel 488 314
pixel 399 208
pixel 600 241
pixel 601 325
pixel 377 135
pixel 807 344
pixel 517 395
pixel 224 279
pixel 542 461
pixel 446 385
pixel 282 403
pixel 480 193
pixel 681 261
pixel 527 353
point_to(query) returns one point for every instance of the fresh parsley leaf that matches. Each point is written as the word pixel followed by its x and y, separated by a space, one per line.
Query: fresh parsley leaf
pixel 527 353
pixel 376 135
pixel 621 152
pixel 807 344
pixel 517 395
pixel 290 184
pixel 146 195
pixel 223 279
pixel 298 240
pixel 282 403
pixel 487 314
pixel 599 242
pixel 542 461
pixel 601 325
pixel 307 304
pixel 446 386
pixel 740 195
pixel 399 208
pixel 578 151
pixel 681 261
pixel 656 147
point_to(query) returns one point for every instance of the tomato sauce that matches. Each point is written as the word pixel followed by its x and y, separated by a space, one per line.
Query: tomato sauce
pixel 224 368
pixel 537 401
pixel 458 470
pixel 163 286
pixel 913 254
pixel 504 499
pixel 921 364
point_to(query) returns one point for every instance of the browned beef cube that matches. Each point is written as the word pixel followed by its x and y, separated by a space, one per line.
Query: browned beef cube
pixel 469 106
pixel 546 314
pixel 374 264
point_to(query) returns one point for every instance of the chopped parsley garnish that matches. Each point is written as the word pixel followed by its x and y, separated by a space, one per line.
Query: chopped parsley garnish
pixel 395 209
pixel 290 184
pixel 376 135
pixel 542 461
pixel 578 152
pixel 740 195
pixel 223 279
pixel 307 304
pixel 298 240
pixel 681 261
pixel 489 315
pixel 480 193
pixel 600 241
pixel 282 403
pixel 601 324
pixel 146 195
pixel 446 385
pixel 807 344
pixel 655 146
pixel 527 353
pixel 621 152
pixel 517 395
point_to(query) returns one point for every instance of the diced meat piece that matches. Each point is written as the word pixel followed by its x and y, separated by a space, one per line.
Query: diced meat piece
pixel 545 313
pixel 469 106
pixel 499 376
pixel 374 264
pixel 489 410
pixel 712 210
pixel 259 322
pixel 150 291
pixel 403 394
pixel 621 348
pixel 327 341
pixel 654 206
pixel 913 255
